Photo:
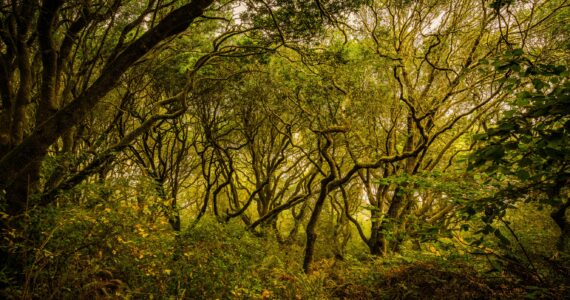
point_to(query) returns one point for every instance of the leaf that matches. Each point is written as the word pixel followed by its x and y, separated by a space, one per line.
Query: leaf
pixel 496 266
pixel 493 152
pixel 517 52
pixel 480 137
pixel 523 174
pixel 266 294
pixel 559 70
pixel 538 84
pixel 470 211
pixel 522 101
pixel 512 145
pixel 503 239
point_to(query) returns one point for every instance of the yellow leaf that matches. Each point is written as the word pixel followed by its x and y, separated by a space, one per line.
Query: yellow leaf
pixel 266 294
pixel 167 271
pixel 433 250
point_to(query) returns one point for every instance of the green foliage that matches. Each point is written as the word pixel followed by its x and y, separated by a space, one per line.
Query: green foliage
pixel 523 157
pixel 111 251
pixel 402 83
pixel 525 153
pixel 296 20
pixel 498 4
pixel 219 261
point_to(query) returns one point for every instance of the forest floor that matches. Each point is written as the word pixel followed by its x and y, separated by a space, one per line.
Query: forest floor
pixel 108 255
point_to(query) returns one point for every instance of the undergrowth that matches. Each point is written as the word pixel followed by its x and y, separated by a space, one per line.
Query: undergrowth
pixel 116 251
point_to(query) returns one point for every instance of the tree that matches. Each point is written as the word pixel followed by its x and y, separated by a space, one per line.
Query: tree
pixel 437 89
pixel 63 65
pixel 526 153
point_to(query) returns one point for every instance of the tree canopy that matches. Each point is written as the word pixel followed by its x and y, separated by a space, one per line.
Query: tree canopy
pixel 160 137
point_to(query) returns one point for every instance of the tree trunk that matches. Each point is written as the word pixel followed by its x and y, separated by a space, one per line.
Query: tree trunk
pixel 22 160
pixel 559 217
pixel 393 217
pixel 376 242
pixel 311 226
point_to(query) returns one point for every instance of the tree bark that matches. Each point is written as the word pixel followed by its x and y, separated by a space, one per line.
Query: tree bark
pixel 21 161
pixel 559 217
pixel 311 226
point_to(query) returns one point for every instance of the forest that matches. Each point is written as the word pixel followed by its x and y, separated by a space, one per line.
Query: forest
pixel 284 149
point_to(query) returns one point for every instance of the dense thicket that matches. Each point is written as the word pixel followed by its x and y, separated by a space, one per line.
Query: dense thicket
pixel 227 148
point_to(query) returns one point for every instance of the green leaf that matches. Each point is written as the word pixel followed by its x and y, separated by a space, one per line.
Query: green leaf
pixel 538 84
pixel 513 145
pixel 480 137
pixel 516 68
pixel 559 70
pixel 517 52
pixel 494 152
pixel 503 239
pixel 496 266
pixel 522 101
pixel 523 174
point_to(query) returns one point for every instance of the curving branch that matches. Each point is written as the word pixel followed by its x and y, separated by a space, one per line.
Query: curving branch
pixel 34 147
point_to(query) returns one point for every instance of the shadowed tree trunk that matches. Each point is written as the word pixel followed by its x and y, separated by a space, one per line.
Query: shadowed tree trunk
pixel 19 167
pixel 24 141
